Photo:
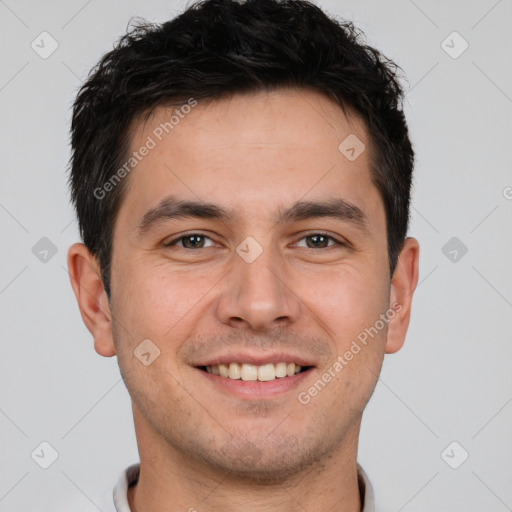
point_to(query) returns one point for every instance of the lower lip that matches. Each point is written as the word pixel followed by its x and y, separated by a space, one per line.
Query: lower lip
pixel 256 390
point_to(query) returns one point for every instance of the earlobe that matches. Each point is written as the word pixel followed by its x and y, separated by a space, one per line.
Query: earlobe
pixel 403 284
pixel 85 277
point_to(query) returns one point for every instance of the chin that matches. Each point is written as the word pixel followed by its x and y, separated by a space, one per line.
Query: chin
pixel 266 463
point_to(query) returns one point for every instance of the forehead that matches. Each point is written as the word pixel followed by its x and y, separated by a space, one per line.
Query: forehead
pixel 312 121
pixel 250 149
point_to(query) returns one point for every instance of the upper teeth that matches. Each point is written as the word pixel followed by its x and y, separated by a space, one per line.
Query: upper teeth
pixel 252 372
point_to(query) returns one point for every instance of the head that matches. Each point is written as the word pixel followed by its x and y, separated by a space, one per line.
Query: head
pixel 242 176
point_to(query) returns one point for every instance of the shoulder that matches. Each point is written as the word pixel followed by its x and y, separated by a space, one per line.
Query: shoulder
pixel 101 501
pixel 111 498
pixel 366 490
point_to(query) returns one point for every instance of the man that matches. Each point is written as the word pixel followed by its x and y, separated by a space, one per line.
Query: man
pixel 241 176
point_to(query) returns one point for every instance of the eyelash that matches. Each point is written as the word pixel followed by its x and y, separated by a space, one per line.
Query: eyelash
pixel 315 233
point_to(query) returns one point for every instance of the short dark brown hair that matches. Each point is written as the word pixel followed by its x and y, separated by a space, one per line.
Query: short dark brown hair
pixel 217 48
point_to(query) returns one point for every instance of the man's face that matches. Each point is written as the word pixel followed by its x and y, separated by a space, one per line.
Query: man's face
pixel 268 283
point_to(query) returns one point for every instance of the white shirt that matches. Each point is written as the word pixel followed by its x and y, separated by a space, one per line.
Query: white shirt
pixel 118 500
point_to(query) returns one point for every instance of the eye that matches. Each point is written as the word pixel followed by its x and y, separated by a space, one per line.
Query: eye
pixel 318 241
pixel 192 241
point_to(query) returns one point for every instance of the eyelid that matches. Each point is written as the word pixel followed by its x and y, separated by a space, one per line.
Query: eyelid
pixel 336 240
pixel 179 237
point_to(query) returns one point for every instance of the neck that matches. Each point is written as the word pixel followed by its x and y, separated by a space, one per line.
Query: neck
pixel 171 480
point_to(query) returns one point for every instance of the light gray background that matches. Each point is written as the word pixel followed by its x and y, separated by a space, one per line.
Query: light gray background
pixel 452 380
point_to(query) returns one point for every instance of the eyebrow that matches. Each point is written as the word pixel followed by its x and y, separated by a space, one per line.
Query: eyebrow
pixel 171 208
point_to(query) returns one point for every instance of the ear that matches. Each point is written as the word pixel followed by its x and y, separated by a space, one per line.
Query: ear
pixel 403 284
pixel 85 276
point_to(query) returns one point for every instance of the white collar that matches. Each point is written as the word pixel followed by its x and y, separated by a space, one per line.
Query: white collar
pixel 131 475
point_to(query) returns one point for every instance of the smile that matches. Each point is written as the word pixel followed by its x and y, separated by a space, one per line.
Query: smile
pixel 252 372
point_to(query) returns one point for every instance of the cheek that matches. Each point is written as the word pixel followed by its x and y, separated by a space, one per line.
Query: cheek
pixel 358 339
pixel 347 301
pixel 155 302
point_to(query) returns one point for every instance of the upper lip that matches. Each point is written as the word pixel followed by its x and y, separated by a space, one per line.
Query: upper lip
pixel 255 359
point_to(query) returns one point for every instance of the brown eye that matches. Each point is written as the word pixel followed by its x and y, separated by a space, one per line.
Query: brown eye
pixel 193 241
pixel 319 241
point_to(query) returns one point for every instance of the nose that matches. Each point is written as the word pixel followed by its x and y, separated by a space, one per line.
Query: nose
pixel 258 295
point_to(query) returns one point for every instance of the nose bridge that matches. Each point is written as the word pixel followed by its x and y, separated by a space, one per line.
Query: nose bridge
pixel 255 293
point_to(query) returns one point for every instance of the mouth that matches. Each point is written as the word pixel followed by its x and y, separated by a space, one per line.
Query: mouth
pixel 254 376
pixel 249 372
